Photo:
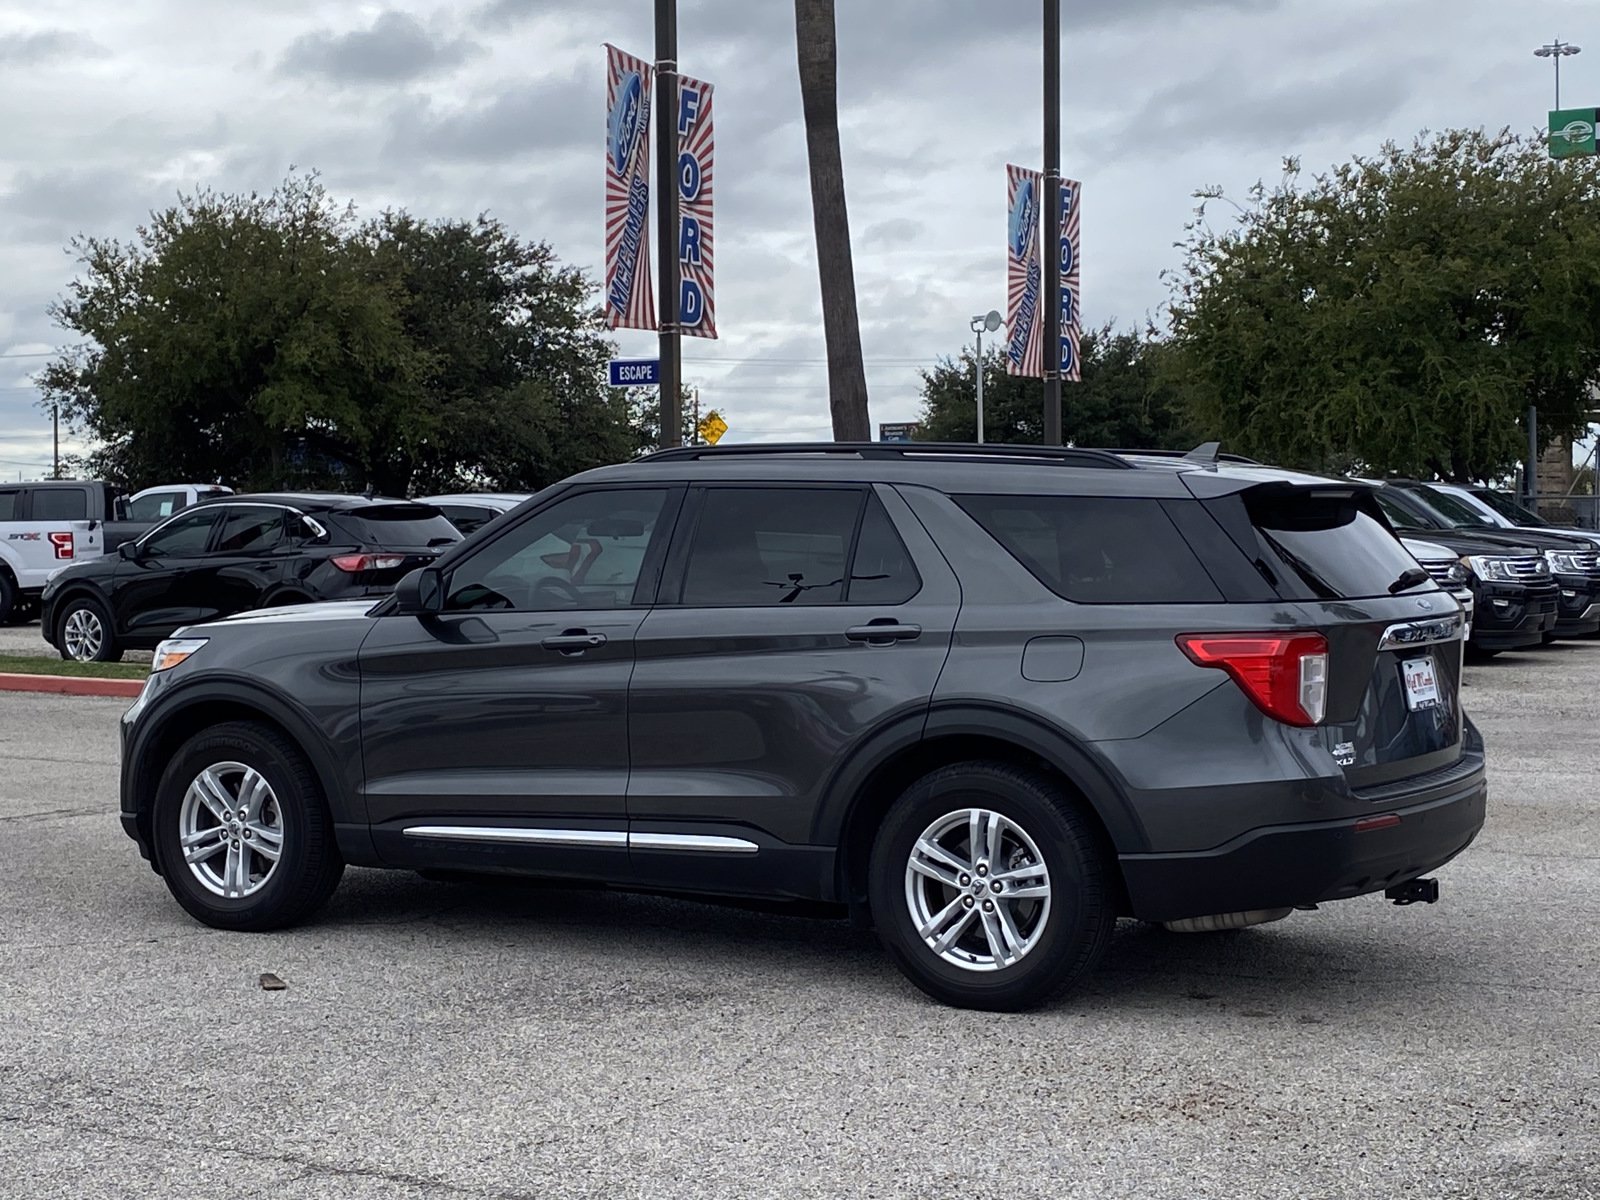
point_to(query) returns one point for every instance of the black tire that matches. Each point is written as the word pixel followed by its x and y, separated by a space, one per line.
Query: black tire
pixel 107 650
pixel 8 599
pixel 309 867
pixel 1071 937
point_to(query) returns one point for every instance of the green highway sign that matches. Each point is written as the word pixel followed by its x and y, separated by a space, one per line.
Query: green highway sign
pixel 1572 132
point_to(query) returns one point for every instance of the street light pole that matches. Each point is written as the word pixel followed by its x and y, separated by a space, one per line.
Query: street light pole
pixel 1557 50
pixel 987 323
pixel 667 216
pixel 1050 259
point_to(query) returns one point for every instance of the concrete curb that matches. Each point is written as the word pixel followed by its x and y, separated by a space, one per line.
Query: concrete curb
pixel 68 685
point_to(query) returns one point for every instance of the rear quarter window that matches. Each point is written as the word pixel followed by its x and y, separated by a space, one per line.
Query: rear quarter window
pixel 1095 549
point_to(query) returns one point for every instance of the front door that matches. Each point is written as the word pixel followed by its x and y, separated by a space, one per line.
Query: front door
pixel 795 624
pixel 149 597
pixel 494 734
pixel 243 564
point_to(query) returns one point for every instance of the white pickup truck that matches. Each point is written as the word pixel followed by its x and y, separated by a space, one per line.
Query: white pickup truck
pixel 49 525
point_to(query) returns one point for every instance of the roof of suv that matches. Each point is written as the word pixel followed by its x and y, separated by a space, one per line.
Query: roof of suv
pixel 306 501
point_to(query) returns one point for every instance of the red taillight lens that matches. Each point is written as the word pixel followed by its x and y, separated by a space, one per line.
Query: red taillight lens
pixel 63 544
pixel 368 562
pixel 1286 674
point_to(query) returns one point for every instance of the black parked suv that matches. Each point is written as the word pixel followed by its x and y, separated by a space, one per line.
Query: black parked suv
pixel 992 698
pixel 235 554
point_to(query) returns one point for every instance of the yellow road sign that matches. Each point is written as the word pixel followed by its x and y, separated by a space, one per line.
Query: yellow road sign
pixel 712 428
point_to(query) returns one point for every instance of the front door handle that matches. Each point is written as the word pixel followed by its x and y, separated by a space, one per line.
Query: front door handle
pixel 883 633
pixel 574 641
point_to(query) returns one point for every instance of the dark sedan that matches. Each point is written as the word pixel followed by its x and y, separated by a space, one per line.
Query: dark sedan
pixel 234 554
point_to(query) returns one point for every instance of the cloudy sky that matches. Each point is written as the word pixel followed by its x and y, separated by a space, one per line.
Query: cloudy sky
pixel 451 107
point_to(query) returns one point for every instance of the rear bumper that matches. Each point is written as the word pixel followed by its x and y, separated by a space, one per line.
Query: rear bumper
pixel 1284 866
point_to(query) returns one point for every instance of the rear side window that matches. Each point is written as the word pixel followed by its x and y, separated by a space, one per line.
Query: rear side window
pixel 1327 547
pixel 760 546
pixel 249 530
pixel 396 526
pixel 8 505
pixel 1097 549
pixel 157 506
pixel 468 517
pixel 61 504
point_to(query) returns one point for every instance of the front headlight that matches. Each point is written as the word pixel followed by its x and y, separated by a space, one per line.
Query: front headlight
pixel 1488 568
pixel 174 651
pixel 1564 562
pixel 1457 574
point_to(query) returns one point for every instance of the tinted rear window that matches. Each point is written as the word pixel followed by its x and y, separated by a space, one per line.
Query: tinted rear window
pixel 396 526
pixel 1326 547
pixel 60 504
pixel 1097 550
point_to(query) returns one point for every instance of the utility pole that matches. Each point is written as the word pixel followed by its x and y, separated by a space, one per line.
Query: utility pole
pixel 667 218
pixel 694 438
pixel 1050 258
pixel 55 440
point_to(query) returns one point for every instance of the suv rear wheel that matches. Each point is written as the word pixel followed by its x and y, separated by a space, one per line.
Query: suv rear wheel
pixel 989 887
pixel 245 840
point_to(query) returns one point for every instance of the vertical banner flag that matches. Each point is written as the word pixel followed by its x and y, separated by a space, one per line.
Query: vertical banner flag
pixel 1071 317
pixel 1024 352
pixel 630 304
pixel 697 309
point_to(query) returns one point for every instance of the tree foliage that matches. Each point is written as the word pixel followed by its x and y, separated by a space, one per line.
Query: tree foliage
pixel 277 340
pixel 1125 399
pixel 1400 312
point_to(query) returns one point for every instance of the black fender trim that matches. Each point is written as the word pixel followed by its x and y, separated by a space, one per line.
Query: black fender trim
pixel 349 815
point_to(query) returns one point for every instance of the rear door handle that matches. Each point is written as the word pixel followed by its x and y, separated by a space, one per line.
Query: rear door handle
pixel 883 633
pixel 574 641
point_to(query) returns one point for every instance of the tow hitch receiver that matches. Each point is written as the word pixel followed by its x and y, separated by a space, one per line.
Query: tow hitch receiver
pixel 1414 891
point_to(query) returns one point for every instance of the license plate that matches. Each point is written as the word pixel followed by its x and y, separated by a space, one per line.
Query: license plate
pixel 1422 685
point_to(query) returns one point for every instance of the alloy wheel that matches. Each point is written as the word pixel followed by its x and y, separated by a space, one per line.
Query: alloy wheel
pixel 231 830
pixel 978 890
pixel 83 635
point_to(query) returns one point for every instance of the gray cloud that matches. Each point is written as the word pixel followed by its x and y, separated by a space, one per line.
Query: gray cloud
pixel 396 49
pixel 50 45
pixel 545 115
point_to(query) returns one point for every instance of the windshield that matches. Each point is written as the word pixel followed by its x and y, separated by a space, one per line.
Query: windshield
pixel 1456 510
pixel 1407 510
pixel 1510 509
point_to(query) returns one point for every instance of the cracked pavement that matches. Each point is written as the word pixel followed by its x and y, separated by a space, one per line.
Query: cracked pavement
pixel 471 1041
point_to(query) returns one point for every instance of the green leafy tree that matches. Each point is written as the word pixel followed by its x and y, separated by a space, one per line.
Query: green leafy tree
pixel 276 340
pixel 1125 400
pixel 1400 312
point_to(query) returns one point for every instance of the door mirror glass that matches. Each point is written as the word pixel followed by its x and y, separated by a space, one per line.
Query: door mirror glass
pixel 420 593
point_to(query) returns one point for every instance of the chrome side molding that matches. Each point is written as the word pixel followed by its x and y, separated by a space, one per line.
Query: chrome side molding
pixel 698 843
pixel 1406 634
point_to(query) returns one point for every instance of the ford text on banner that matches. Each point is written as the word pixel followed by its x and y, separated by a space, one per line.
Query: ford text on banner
pixel 697 309
pixel 1071 314
pixel 1024 329
pixel 630 304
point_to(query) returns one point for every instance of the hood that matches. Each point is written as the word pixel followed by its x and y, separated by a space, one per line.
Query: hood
pixel 1475 541
pixel 1587 539
pixel 1428 551
pixel 299 614
pixel 1538 539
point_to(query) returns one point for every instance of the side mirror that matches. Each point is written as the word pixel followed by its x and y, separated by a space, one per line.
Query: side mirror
pixel 421 593
pixel 129 550
pixel 119 508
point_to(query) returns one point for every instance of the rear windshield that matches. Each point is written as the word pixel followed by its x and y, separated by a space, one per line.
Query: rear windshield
pixel 1327 547
pixel 1097 550
pixel 396 526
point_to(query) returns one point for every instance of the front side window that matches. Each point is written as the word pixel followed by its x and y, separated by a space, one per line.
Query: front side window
pixel 182 537
pixel 583 552
pixel 250 530
pixel 61 504
pixel 157 506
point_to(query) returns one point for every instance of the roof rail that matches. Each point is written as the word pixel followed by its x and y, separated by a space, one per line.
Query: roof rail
pixel 1070 456
pixel 1201 453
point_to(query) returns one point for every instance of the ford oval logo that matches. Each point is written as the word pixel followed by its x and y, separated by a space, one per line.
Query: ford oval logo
pixel 1024 217
pixel 623 133
pixel 1424 603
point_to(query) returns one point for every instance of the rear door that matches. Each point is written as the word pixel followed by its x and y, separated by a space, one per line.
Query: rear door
pixel 795 622
pixel 1394 639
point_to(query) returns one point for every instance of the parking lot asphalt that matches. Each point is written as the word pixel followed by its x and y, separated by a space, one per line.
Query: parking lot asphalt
pixel 466 1041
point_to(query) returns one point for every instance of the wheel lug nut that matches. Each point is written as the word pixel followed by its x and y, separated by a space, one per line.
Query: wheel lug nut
pixel 247 835
pixel 968 901
pixel 996 886
pixel 983 868
pixel 988 906
pixel 966 880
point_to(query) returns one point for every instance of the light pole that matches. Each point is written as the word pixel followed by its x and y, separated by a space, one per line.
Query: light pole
pixel 1557 50
pixel 981 325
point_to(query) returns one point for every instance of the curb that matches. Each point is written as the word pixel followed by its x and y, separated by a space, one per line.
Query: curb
pixel 69 685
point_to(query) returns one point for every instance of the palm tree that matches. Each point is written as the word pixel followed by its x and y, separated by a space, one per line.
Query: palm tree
pixel 819 96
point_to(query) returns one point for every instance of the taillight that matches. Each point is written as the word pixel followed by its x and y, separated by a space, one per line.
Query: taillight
pixel 63 544
pixel 368 562
pixel 1286 674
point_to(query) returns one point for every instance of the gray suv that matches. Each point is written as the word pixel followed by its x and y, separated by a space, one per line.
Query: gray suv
pixel 990 698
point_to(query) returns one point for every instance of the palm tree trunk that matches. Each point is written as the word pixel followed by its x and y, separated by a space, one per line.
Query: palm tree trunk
pixel 819 96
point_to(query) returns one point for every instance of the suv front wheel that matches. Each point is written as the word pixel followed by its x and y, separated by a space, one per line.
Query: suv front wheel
pixel 243 836
pixel 989 887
